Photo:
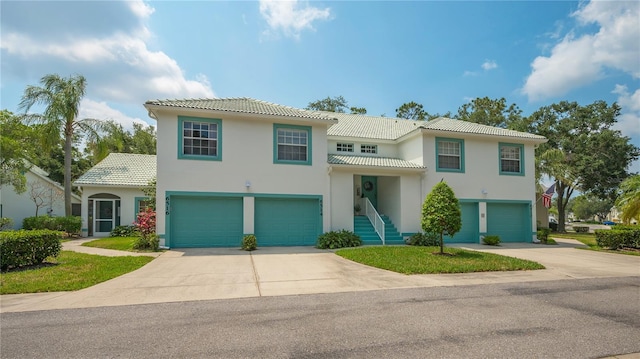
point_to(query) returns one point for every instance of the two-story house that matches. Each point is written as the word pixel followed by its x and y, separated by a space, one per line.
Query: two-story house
pixel 229 167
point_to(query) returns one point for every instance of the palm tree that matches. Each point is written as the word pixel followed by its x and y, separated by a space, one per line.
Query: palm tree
pixel 61 98
pixel 629 200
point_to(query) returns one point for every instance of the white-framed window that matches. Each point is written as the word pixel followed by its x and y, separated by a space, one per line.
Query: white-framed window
pixel 199 138
pixel 450 155
pixel 511 159
pixel 292 144
pixel 344 147
pixel 368 148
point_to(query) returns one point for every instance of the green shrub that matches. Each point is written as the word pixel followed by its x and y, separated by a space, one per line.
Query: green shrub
pixel 424 239
pixel 249 242
pixel 581 229
pixel 124 231
pixel 148 242
pixel 5 223
pixel 39 222
pixel 24 248
pixel 338 239
pixel 491 240
pixel 69 224
pixel 543 234
pixel 617 239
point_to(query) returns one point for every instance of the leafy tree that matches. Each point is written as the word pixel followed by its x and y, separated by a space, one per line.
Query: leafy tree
pixel 490 112
pixel 144 139
pixel 52 161
pixel 585 207
pixel 15 157
pixel 61 98
pixel 583 151
pixel 441 213
pixel 629 200
pixel 335 104
pixel 412 111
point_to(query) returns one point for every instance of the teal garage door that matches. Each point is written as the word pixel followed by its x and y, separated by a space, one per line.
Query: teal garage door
pixel 206 222
pixel 287 221
pixel 469 233
pixel 510 221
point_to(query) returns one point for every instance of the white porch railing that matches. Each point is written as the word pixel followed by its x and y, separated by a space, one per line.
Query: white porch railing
pixel 374 218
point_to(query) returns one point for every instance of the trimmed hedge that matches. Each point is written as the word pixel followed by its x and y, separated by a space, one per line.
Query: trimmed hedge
pixel 491 240
pixel 24 248
pixel 628 236
pixel 124 231
pixel 424 239
pixel 70 224
pixel 338 239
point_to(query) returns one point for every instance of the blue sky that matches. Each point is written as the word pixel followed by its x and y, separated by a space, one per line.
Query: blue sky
pixel 376 54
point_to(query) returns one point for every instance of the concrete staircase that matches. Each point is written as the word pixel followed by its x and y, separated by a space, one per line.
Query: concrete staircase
pixel 367 233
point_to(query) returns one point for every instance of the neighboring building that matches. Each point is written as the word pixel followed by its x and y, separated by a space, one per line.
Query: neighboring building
pixel 42 195
pixel 112 191
pixel 229 167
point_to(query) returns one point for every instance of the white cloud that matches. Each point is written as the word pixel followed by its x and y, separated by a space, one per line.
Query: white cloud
pixel 101 111
pixel 470 73
pixel 629 120
pixel 489 65
pixel 579 60
pixel 117 62
pixel 291 17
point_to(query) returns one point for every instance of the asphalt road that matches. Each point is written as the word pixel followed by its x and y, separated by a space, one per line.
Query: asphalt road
pixel 587 318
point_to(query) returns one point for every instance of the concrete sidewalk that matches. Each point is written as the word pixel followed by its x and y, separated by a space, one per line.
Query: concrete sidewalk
pixel 219 273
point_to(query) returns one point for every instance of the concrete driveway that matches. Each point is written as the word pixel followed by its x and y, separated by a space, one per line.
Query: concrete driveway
pixel 205 274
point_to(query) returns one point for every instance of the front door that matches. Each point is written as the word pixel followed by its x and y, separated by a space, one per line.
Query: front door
pixel 105 216
pixel 370 189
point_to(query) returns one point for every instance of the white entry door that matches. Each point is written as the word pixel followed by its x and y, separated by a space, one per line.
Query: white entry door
pixel 105 214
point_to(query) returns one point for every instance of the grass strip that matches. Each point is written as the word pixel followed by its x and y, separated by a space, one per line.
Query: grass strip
pixel 68 272
pixel 422 260
pixel 117 243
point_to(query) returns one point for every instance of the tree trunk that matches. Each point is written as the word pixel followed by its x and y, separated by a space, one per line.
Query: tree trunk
pixel 441 244
pixel 68 134
pixel 564 193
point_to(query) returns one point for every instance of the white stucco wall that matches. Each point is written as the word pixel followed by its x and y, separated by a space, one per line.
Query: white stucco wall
pixel 128 212
pixel 481 179
pixel 385 149
pixel 412 149
pixel 342 200
pixel 20 206
pixel 247 157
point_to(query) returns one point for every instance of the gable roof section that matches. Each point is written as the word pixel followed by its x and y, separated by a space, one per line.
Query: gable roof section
pixel 387 128
pixel 120 169
pixel 368 161
pixel 243 105
pixel 43 175
pixel 449 125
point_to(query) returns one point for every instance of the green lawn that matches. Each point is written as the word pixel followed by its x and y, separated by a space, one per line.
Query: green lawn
pixel 70 271
pixel 117 243
pixel 421 260
pixel 590 240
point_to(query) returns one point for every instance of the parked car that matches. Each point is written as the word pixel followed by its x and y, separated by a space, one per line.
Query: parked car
pixel 609 223
pixel 553 224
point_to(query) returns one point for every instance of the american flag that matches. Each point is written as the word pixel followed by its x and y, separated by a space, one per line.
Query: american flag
pixel 546 196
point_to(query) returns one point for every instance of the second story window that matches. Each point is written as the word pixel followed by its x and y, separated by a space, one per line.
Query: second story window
pixel 199 138
pixel 292 144
pixel 368 148
pixel 344 147
pixel 511 159
pixel 450 155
